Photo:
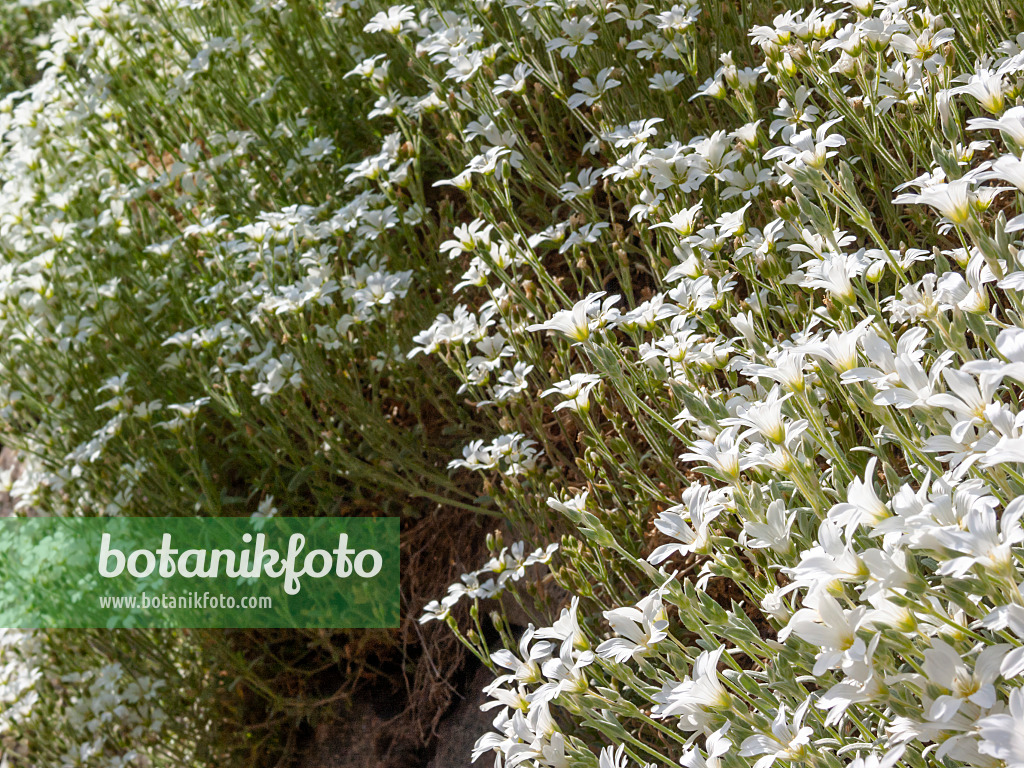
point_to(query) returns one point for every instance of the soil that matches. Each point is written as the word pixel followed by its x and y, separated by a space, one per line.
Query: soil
pixel 358 740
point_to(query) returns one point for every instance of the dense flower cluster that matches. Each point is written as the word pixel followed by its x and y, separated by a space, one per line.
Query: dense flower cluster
pixel 808 370
pixel 199 275
pixel 498 574
pixel 734 297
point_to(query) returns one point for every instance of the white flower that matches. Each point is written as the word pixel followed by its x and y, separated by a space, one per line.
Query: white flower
pixel 583 186
pixel 1007 168
pixel 697 700
pixel 765 418
pixel 576 391
pixel 471 587
pixel 392 20
pixel 722 455
pixel 787 369
pixel 809 148
pixel 699 509
pixel 665 81
pixel 831 562
pixel 567 626
pixel 983 541
pixel 266 508
pixel 611 757
pixel 566 673
pixel 788 740
pixel 944 666
pixel 576 32
pixel 642 627
pixel 1010 343
pixel 1002 735
pixel 514 83
pixel 435 611
pixel 1010 124
pixel 954 200
pixel 578 323
pixel 525 668
pixel 828 627
pixel 684 221
pixel 317 149
pixel 774 533
pixel 862 505
pixel 592 90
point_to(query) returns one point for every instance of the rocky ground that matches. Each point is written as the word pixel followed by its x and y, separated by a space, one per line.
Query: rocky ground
pixel 355 742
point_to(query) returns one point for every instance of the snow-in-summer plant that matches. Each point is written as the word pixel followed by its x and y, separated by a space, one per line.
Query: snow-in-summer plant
pixel 758 326
pixel 727 297
pixel 207 293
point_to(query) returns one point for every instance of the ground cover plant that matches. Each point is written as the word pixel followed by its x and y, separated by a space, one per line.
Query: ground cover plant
pixel 717 305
